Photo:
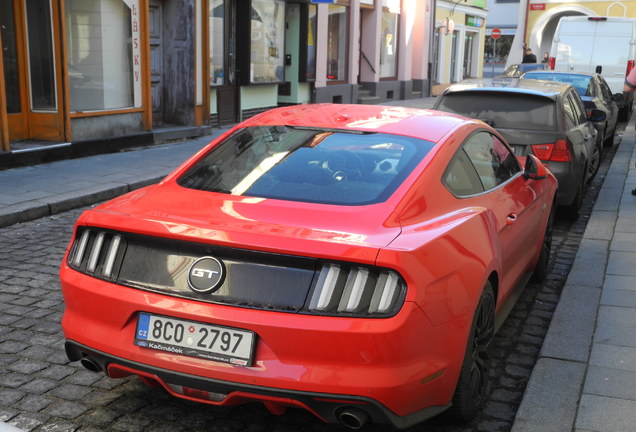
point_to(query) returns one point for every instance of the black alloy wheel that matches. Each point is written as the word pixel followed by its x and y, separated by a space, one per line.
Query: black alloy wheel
pixel 541 269
pixel 474 378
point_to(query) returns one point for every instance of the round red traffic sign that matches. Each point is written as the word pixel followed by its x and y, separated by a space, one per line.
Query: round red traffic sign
pixel 495 33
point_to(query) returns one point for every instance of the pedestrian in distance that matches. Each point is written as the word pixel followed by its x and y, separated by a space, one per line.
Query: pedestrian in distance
pixel 528 57
pixel 546 58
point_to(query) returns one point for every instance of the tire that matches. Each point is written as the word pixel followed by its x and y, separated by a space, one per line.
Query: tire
pixel 541 269
pixel 474 377
pixel 595 161
pixel 609 138
pixel 573 211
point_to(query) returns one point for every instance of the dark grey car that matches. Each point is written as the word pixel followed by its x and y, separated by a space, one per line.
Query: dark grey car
pixel 545 118
pixel 595 94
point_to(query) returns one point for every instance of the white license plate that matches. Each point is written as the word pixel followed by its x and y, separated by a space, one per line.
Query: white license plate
pixel 195 339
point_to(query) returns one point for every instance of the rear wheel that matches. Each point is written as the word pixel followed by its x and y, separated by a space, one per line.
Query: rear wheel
pixel 541 269
pixel 595 161
pixel 573 211
pixel 472 387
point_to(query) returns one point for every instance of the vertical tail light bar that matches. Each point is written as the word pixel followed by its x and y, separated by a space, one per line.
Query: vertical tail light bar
pixel 356 290
pixel 95 252
pixel 552 63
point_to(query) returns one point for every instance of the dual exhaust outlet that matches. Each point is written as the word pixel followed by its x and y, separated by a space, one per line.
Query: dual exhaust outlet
pixel 352 418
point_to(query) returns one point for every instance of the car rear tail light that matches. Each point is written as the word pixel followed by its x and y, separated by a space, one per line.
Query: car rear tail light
pixel 557 152
pixel 597 18
pixel 552 63
pixel 94 252
pixel 353 290
pixel 630 66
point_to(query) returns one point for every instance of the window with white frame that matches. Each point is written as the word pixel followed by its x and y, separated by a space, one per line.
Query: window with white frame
pixel 104 54
pixel 267 49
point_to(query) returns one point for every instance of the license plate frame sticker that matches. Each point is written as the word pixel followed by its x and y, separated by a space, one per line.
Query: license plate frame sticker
pixel 195 339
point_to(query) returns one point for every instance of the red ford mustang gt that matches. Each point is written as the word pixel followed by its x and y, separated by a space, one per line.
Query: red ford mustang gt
pixel 350 260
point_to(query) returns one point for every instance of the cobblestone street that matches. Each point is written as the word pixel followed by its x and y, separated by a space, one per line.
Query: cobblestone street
pixel 41 391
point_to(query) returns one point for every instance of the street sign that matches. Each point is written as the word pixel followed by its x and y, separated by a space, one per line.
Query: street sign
pixel 495 33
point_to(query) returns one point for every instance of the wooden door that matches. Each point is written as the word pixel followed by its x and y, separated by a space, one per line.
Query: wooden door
pixel 32 69
pixel 227 91
pixel 155 18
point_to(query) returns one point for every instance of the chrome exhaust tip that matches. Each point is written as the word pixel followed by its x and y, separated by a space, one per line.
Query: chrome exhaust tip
pixel 353 418
pixel 90 364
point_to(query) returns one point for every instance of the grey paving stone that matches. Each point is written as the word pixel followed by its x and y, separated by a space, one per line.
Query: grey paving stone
pixel 620 298
pixel 588 266
pixel 550 401
pixel 612 356
pixel 608 382
pixel 616 315
pixel 603 414
pixel 615 334
pixel 621 263
pixel 569 337
pixel 620 282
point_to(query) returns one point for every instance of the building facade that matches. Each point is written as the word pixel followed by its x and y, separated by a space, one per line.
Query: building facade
pixel 458 42
pixel 89 70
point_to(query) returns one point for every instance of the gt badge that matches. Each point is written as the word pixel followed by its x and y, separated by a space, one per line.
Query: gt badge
pixel 206 275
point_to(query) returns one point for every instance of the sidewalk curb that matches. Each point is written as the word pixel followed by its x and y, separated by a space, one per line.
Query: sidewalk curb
pixel 555 391
pixel 35 209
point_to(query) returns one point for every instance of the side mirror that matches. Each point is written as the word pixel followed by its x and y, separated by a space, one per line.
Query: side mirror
pixel 534 169
pixel 597 115
pixel 599 69
pixel 619 98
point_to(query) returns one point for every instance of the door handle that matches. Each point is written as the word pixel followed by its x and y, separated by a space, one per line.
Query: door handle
pixel 511 218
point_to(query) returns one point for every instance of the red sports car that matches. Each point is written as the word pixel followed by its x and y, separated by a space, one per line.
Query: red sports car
pixel 351 260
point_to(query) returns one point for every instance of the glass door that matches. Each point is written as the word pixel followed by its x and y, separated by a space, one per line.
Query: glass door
pixel 31 69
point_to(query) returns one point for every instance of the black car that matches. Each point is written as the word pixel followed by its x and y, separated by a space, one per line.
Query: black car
pixel 545 118
pixel 595 94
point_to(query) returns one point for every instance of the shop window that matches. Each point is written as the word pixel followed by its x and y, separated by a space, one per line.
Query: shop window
pixel 217 42
pixel 338 35
pixel 103 45
pixel 388 45
pixel 267 46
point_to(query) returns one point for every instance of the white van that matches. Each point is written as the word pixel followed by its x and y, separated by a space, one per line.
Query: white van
pixel 593 44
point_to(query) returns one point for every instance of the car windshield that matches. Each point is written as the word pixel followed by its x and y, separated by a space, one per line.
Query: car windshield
pixel 505 110
pixel 307 164
pixel 581 83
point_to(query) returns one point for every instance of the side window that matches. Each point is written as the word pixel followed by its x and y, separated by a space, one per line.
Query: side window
pixel 570 117
pixel 484 160
pixel 460 176
pixel 577 107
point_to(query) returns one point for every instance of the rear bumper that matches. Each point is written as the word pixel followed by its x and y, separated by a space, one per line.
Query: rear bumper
pixel 568 181
pixel 403 366
pixel 327 407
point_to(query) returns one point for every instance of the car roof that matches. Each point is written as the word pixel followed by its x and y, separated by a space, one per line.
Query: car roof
pixel 553 72
pixel 548 89
pixel 424 124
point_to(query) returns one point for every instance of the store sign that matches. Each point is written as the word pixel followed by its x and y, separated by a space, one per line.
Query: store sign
pixel 537 6
pixel 479 3
pixel 474 21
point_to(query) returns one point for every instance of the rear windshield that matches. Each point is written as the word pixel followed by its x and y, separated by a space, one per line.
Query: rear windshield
pixel 309 165
pixel 580 82
pixel 503 110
